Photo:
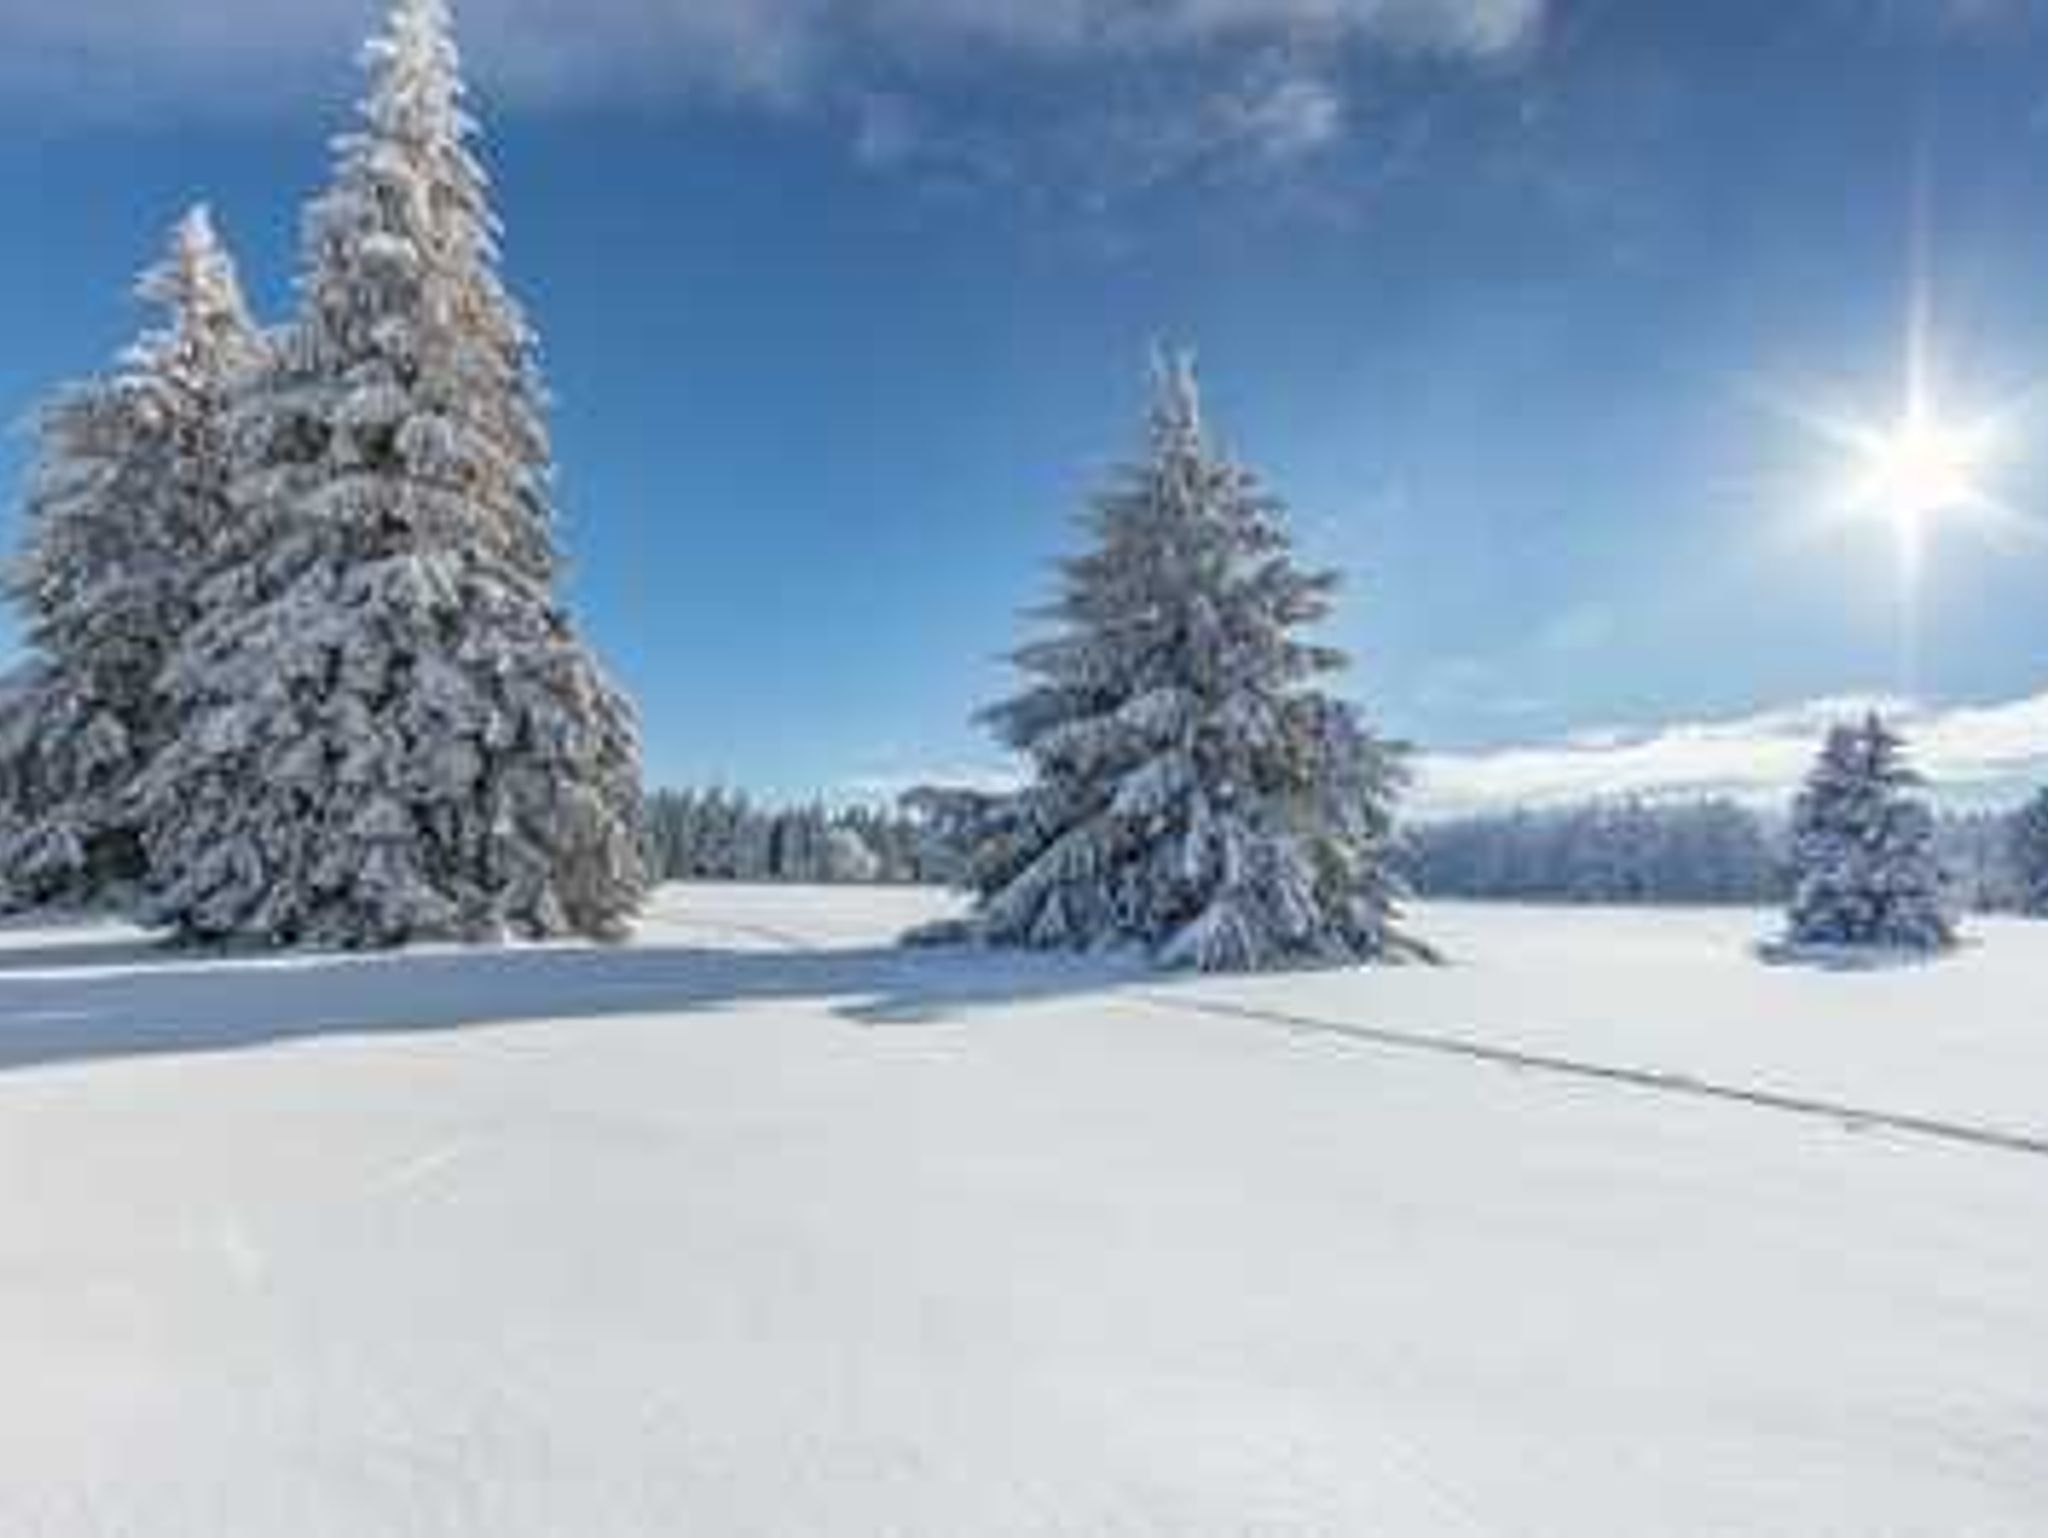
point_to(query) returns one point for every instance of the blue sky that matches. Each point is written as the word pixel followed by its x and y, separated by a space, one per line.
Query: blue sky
pixel 846 307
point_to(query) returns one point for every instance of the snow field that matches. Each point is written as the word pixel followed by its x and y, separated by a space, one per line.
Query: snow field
pixel 760 1226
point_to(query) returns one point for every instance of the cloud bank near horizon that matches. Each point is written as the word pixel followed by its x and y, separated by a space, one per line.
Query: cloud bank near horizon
pixel 1973 755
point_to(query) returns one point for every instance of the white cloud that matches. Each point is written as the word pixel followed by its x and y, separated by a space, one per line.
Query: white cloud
pixel 1282 119
pixel 230 53
pixel 887 789
pixel 1972 754
pixel 779 49
pixel 1437 26
pixel 1967 17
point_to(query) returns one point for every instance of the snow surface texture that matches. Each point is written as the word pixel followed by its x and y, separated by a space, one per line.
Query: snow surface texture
pixel 762 1226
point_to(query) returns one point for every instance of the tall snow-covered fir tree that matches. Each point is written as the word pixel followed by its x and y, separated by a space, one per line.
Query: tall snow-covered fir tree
pixel 127 503
pixel 1865 867
pixel 2029 855
pixel 392 731
pixel 1191 792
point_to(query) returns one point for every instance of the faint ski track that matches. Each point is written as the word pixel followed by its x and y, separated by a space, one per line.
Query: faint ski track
pixel 781 939
pixel 244 1258
pixel 421 1168
pixel 1849 1117
pixel 1852 1117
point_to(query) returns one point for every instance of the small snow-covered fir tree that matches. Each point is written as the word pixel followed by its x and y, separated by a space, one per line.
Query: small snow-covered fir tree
pixel 2029 855
pixel 127 504
pixel 1865 867
pixel 1191 793
pixel 392 731
pixel 849 857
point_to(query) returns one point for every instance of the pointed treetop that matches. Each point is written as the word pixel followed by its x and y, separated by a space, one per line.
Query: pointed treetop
pixel 195 265
pixel 1176 398
pixel 196 234
pixel 196 283
pixel 416 68
pixel 1878 746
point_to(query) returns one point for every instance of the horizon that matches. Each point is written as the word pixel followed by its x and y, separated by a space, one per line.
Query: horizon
pixel 820 301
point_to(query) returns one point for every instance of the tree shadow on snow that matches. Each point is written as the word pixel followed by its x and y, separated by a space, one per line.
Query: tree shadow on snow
pixel 119 997
pixel 1850 958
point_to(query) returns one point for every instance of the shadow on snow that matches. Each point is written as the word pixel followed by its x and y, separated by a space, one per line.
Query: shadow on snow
pixel 82 1001
pixel 1852 958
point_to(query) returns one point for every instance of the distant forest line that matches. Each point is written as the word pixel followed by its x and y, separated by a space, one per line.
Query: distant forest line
pixel 1618 851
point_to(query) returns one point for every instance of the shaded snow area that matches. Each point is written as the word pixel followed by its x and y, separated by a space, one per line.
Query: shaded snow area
pixel 762 1227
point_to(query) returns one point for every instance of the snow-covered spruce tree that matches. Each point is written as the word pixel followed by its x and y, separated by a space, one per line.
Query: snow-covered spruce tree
pixel 126 504
pixel 2029 855
pixel 1865 868
pixel 1192 793
pixel 392 731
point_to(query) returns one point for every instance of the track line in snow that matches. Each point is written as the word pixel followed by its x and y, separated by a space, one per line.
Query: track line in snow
pixel 421 1169
pixel 781 939
pixel 1655 1080
pixel 240 1253
pixel 1844 1115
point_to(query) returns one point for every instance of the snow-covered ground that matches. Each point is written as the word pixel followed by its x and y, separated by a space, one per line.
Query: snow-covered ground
pixel 761 1227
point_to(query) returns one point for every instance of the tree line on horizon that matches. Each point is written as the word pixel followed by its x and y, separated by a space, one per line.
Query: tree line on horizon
pixel 1708 851
pixel 1617 851
pixel 726 835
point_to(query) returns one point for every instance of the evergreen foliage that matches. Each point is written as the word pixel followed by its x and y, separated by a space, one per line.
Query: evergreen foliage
pixel 127 506
pixel 390 729
pixel 726 836
pixel 1864 858
pixel 1630 851
pixel 1191 792
pixel 2029 855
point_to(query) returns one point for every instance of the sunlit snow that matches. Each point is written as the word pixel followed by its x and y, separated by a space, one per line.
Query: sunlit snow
pixel 762 1226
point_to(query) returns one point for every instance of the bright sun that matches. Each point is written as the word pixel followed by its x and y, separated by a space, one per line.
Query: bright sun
pixel 1924 468
pixel 1922 471
pixel 1929 467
